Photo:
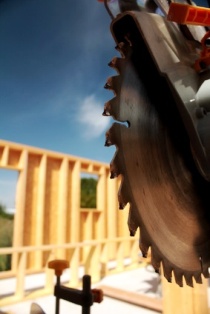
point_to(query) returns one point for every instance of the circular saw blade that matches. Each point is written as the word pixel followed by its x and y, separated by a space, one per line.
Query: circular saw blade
pixel 169 200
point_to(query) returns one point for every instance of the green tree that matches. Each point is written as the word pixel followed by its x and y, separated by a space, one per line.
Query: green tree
pixel 6 234
pixel 88 193
pixel 4 214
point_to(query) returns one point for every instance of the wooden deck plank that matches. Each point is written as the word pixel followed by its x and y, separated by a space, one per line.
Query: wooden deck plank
pixel 132 298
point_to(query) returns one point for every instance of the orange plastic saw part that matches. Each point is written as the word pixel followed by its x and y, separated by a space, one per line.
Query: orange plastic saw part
pixel 188 14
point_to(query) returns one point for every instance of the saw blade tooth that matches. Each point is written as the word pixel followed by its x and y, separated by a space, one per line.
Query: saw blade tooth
pixel 117 64
pixel 198 277
pixel 108 140
pixel 189 279
pixel 113 83
pixel 108 143
pixel 111 107
pixel 132 221
pixel 155 259
pixel 106 113
pixel 113 175
pixel 107 86
pixel 167 270
pixel 112 135
pixel 123 197
pixel 178 275
pixel 206 272
pixel 124 48
pixel 204 268
pixel 144 243
pixel 115 165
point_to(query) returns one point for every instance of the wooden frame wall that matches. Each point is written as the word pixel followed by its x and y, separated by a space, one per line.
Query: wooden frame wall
pixel 48 201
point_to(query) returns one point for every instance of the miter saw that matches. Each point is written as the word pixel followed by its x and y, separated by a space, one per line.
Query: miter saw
pixel 161 105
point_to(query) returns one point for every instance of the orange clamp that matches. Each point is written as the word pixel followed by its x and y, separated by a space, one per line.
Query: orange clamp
pixel 58 265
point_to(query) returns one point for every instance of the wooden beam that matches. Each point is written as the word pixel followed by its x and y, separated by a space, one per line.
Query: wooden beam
pixel 133 298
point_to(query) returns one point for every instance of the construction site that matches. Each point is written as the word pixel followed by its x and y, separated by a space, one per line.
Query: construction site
pixel 49 224
pixel 131 235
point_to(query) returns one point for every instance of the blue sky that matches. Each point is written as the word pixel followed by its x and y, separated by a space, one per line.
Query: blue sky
pixel 54 58
pixel 54 63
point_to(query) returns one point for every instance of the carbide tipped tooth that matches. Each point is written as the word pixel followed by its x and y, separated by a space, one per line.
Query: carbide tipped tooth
pixel 113 175
pixel 108 142
pixel 117 64
pixel 189 280
pixel 123 197
pixel 107 86
pixel 115 166
pixel 112 134
pixel 205 271
pixel 155 259
pixel 132 225
pixel 113 83
pixel 178 275
pixel 120 46
pixel 106 113
pixel 132 233
pixel 111 107
pixel 204 268
pixel 167 271
pixel 121 205
pixel 111 63
pixel 144 242
pixel 198 277
pixel 123 48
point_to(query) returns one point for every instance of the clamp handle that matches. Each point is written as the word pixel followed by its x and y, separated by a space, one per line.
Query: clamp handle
pixel 97 295
pixel 58 265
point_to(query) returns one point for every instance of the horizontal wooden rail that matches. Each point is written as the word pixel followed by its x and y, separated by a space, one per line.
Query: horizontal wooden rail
pixel 47 247
pixel 96 264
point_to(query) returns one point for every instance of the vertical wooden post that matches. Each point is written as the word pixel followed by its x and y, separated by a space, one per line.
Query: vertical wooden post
pixel 184 300
pixel 92 265
pixel 39 220
pixel 20 287
pixel 120 256
pixel 101 189
pixel 86 223
pixel 20 206
pixel 75 203
pixel 74 267
pixel 99 225
pixel 5 156
pixel 112 208
pixel 62 206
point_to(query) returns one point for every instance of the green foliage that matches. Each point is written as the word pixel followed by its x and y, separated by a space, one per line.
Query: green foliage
pixel 4 214
pixel 88 193
pixel 6 234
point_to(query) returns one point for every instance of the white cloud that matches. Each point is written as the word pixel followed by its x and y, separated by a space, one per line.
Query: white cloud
pixel 90 116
